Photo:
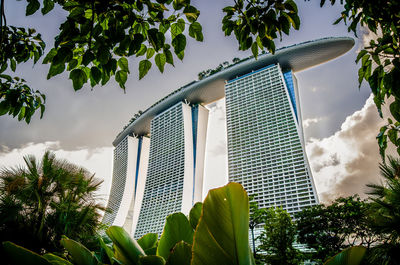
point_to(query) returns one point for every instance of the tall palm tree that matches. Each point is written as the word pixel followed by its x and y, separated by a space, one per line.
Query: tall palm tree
pixel 386 197
pixel 386 214
pixel 45 200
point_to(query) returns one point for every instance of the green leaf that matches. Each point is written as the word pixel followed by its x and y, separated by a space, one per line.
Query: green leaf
pixel 254 49
pixel 136 43
pixel 56 260
pixel 181 254
pixel 148 243
pixel 21 114
pixel 103 55
pixel 49 56
pixel 63 55
pixel 195 31
pixel 222 235
pixel 78 77
pixel 181 55
pixel 177 28
pixel 4 108
pixel 13 65
pixel 123 64
pixel 125 247
pixel 229 9
pixel 376 59
pixel 349 256
pixel 32 7
pixel 191 13
pixel 151 260
pixel 95 74
pixel 144 67
pixel 156 38
pixel 72 64
pixel 160 60
pixel 295 20
pixel 195 214
pixel 20 255
pixel 284 24
pixel 88 57
pixel 3 67
pixel 360 55
pixel 55 70
pixel 291 5
pixel 48 5
pixel 104 78
pixel 109 252
pixel 395 110
pixel 360 76
pixel 80 254
pixel 150 53
pixel 121 77
pixel 392 134
pixel 179 43
pixel 169 57
pixel 177 228
pixel 142 50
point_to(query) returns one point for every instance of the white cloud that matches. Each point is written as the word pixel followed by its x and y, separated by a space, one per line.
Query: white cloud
pixel 308 122
pixel 98 160
pixel 348 160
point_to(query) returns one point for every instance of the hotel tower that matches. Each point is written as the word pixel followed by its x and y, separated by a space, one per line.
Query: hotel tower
pixel 159 157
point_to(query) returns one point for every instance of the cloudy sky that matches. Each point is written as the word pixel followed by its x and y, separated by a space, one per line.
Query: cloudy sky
pixel 340 120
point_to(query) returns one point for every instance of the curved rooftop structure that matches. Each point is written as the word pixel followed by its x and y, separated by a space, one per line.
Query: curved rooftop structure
pixel 297 58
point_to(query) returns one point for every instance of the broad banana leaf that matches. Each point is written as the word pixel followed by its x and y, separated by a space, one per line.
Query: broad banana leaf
pixel 195 214
pixel 181 254
pixel 20 255
pixel 177 228
pixel 148 243
pixel 349 256
pixel 151 260
pixel 127 250
pixel 56 260
pixel 222 235
pixel 109 252
pixel 79 253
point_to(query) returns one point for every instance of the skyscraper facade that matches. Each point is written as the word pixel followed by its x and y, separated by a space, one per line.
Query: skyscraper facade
pixel 129 174
pixel 175 174
pixel 265 139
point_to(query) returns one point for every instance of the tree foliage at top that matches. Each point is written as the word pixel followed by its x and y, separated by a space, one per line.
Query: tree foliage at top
pixel 256 23
pixel 45 200
pixel 97 37
pixel 380 59
pixel 94 43
pixel 18 45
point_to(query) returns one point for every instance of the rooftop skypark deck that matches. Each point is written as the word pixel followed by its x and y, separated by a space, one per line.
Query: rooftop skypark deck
pixel 211 88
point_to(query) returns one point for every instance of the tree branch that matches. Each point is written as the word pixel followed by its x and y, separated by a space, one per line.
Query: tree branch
pixel 2 17
pixel 91 26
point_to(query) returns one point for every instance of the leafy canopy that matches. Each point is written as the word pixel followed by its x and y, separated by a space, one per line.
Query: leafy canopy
pixel 94 43
pixel 329 229
pixel 277 238
pixel 380 59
